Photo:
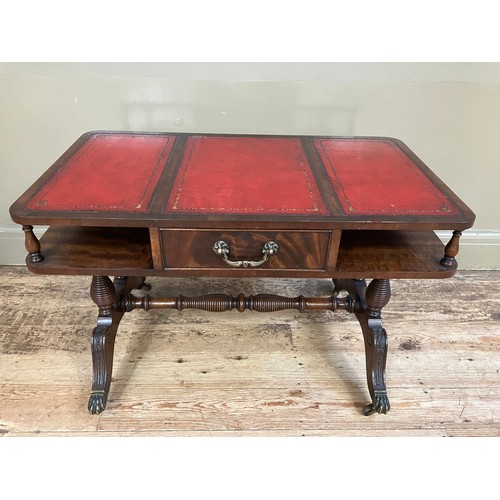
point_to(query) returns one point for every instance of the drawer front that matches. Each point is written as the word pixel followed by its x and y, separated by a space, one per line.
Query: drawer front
pixel 193 249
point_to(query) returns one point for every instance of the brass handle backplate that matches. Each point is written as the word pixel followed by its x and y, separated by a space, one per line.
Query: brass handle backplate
pixel 222 248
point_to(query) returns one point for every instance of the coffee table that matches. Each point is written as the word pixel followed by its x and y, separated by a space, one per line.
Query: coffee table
pixel 129 205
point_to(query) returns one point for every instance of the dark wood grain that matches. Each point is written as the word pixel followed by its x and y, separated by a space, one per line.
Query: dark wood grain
pixel 370 254
pixel 391 254
pixel 88 250
pixel 347 247
pixel 298 250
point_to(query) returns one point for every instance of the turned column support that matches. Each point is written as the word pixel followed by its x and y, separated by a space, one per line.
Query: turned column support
pixel 260 303
pixel 377 296
pixel 32 245
pixel 451 250
pixel 102 292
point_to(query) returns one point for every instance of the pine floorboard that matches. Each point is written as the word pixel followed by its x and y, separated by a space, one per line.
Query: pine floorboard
pixel 197 373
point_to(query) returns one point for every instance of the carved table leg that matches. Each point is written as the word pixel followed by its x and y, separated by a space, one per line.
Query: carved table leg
pixel 103 294
pixel 372 299
pixel 377 296
pixel 106 295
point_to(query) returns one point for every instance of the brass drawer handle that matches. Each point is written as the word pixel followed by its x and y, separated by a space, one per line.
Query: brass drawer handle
pixel 222 248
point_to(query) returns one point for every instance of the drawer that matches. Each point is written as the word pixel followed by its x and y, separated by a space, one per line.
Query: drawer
pixel 297 250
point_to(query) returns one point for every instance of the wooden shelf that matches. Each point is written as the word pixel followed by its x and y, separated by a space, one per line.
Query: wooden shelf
pixel 94 250
pixel 127 251
pixel 391 254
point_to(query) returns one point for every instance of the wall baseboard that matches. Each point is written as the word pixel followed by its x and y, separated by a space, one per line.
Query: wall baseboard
pixel 479 249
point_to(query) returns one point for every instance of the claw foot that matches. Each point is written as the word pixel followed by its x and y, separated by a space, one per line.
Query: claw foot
pixel 380 404
pixel 97 402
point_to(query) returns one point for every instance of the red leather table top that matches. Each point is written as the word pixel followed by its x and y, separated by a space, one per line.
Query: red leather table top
pixel 245 175
pixel 167 176
pixel 108 173
pixel 375 177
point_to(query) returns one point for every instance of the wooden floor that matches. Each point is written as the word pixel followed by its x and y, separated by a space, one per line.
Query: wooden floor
pixel 230 374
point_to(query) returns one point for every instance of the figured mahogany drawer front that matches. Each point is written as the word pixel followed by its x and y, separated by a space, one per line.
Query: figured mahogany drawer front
pixel 193 249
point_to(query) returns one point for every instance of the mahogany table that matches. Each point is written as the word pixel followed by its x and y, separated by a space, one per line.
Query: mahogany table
pixel 131 205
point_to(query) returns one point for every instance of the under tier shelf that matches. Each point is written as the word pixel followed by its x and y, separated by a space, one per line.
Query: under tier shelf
pixel 127 251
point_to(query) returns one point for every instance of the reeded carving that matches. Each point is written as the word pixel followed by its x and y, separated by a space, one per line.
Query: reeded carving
pixel 259 303
pixel 379 354
pixel 378 295
pixel 102 362
pixel 103 294
pixel 272 303
pixel 98 353
pixel 216 302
